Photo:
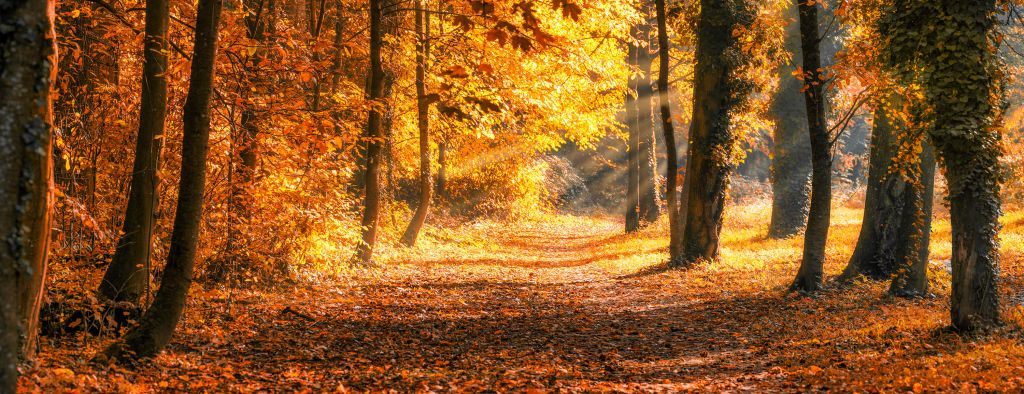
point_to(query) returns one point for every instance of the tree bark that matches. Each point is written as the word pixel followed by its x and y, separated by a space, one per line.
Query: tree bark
pixel 156 326
pixel 894 235
pixel 648 167
pixel 809 277
pixel 423 124
pixel 373 137
pixel 246 141
pixel 127 276
pixel 716 92
pixel 28 65
pixel 911 278
pixel 337 67
pixel 633 154
pixel 948 49
pixel 879 204
pixel 672 171
pixel 966 136
pixel 791 162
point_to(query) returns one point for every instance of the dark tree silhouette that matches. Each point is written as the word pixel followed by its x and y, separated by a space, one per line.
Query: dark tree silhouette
pixel 128 275
pixel 156 326
pixel 809 278
pixel 422 124
pixel 374 138
pixel 671 173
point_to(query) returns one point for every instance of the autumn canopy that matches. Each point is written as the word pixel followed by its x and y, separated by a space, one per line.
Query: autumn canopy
pixel 511 196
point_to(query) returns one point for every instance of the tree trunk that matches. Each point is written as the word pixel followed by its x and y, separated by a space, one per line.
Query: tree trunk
pixel 373 137
pixel 257 15
pixel 337 67
pixel 894 235
pixel 671 173
pixel 423 123
pixel 911 278
pixel 791 162
pixel 809 277
pixel 156 326
pixel 962 83
pixel 648 188
pixel 966 135
pixel 126 279
pixel 633 155
pixel 716 92
pixel 28 68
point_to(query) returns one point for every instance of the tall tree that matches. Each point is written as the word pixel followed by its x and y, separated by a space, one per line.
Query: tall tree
pixel 373 137
pixel 809 277
pixel 156 326
pixel 422 124
pixel 647 159
pixel 28 65
pixel 948 48
pixel 894 234
pixel 791 151
pixel 633 130
pixel 911 278
pixel 245 141
pixel 716 92
pixel 127 276
pixel 672 171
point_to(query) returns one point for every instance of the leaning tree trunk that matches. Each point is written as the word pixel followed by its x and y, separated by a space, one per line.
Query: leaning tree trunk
pixel 371 204
pixel 633 155
pixel 128 275
pixel 648 167
pixel 716 92
pixel 809 277
pixel 156 326
pixel 791 152
pixel 423 124
pixel 894 235
pixel 672 171
pixel 28 68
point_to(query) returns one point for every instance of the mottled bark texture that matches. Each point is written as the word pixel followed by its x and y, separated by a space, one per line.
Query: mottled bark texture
pixel 126 279
pixel 809 277
pixel 717 92
pixel 27 71
pixel 156 326
pixel 791 152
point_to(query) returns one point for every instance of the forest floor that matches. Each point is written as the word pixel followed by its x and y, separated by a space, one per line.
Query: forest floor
pixel 571 304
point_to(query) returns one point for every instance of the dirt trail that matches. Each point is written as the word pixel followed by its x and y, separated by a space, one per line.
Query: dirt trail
pixel 566 306
pixel 540 313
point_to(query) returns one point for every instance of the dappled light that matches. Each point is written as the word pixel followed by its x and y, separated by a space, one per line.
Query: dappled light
pixel 529 196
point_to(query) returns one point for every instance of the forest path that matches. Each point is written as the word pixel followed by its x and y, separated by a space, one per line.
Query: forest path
pixel 540 305
pixel 568 305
